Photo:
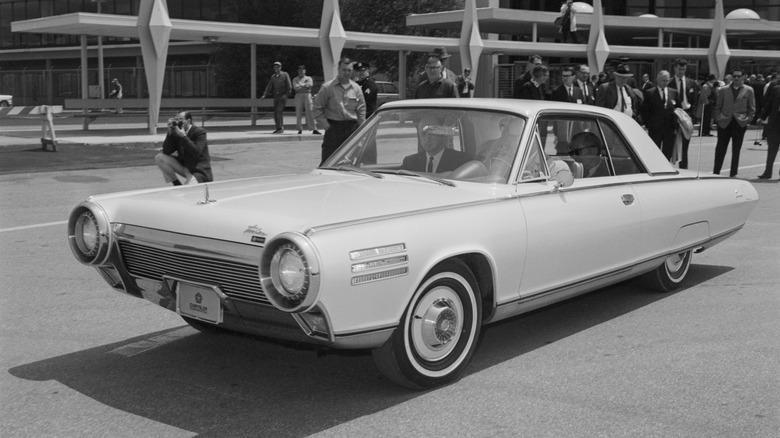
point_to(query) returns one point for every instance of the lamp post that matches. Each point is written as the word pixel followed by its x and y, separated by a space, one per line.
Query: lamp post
pixel 101 78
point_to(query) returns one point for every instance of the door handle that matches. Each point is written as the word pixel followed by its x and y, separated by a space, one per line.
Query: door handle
pixel 627 199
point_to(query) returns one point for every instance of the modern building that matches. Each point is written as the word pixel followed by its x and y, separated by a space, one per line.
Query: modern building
pixel 44 43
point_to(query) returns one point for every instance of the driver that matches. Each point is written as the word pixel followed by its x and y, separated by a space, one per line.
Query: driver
pixel 434 157
pixel 586 146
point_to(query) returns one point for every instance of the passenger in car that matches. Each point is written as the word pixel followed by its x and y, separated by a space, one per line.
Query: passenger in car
pixel 499 153
pixel 435 157
pixel 585 148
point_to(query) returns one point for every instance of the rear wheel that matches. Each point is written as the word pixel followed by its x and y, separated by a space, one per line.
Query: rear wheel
pixel 438 332
pixel 3 103
pixel 671 273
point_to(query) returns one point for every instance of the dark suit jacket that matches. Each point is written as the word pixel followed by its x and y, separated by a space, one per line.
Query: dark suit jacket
pixel 193 152
pixel 771 109
pixel 590 99
pixel 646 86
pixel 531 91
pixel 743 108
pixel 560 94
pixel 450 160
pixel 519 82
pixel 691 92
pixel 657 118
pixel 606 96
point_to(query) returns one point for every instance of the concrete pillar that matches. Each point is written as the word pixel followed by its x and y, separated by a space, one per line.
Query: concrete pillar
pixel 154 29
pixel 332 38
pixel 84 80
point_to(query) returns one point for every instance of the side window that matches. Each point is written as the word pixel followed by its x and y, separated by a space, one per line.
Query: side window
pixel 623 161
pixel 577 141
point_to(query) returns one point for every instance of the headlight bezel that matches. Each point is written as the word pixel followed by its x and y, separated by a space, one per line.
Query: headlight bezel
pixel 287 299
pixel 88 214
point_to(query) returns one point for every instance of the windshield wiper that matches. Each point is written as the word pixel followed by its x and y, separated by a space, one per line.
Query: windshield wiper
pixel 356 169
pixel 420 175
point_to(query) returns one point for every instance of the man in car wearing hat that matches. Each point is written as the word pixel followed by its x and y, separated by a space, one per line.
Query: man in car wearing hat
pixel 279 86
pixel 367 84
pixel 302 84
pixel 616 94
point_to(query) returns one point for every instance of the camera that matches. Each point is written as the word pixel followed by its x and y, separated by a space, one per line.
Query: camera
pixel 174 122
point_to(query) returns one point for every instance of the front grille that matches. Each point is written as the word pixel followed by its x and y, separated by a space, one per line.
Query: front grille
pixel 236 280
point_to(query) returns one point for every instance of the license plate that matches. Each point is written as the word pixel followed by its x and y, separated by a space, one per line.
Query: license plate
pixel 200 302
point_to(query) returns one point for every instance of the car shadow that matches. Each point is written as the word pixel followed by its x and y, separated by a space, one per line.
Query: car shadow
pixel 212 383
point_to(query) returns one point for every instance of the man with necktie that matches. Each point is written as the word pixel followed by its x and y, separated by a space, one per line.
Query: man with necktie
pixel 658 108
pixel 584 83
pixel 616 94
pixel 567 92
pixel 689 94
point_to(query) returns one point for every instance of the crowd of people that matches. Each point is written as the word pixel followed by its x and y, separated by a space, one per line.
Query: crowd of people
pixel 668 108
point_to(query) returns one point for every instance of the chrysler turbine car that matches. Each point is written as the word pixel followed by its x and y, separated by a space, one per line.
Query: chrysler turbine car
pixel 434 218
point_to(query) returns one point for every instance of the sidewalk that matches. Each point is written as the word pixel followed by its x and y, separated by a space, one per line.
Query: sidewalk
pixel 110 144
pixel 26 132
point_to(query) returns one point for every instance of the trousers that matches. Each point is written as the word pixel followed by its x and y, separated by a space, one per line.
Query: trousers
pixel 733 133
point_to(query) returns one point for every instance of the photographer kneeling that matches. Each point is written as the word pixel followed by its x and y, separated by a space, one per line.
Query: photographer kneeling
pixel 185 152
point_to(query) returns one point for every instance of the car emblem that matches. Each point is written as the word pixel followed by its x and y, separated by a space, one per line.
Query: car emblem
pixel 198 298
pixel 256 230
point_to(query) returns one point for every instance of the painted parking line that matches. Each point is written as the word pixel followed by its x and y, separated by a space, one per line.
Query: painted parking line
pixel 29 227
pixel 152 343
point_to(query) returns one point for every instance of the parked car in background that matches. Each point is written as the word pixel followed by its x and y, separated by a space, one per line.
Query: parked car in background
pixel 386 92
pixel 527 203
pixel 6 100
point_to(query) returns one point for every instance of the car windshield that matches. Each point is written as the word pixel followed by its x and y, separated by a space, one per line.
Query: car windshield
pixel 436 144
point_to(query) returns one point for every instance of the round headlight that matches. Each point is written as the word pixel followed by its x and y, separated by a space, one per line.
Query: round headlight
pixel 289 273
pixel 88 234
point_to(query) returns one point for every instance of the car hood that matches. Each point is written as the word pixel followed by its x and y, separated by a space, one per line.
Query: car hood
pixel 236 210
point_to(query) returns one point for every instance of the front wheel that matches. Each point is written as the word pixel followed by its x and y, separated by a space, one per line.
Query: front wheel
pixel 438 332
pixel 671 273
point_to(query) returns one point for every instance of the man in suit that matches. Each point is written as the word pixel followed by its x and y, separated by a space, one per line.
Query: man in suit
pixel 658 113
pixel 533 61
pixel 770 113
pixel 435 157
pixel 534 89
pixel 184 152
pixel 585 84
pixel 689 94
pixel 734 109
pixel 646 83
pixel 616 94
pixel 567 92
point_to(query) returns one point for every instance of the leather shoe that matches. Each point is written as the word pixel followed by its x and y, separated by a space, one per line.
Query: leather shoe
pixel 315 132
pixel 764 176
pixel 300 132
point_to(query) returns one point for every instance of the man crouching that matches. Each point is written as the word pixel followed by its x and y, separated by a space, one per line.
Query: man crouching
pixel 185 152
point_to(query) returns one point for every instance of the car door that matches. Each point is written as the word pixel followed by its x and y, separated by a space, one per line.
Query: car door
pixel 579 233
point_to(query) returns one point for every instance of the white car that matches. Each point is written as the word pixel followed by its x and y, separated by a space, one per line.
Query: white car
pixel 524 204
pixel 6 100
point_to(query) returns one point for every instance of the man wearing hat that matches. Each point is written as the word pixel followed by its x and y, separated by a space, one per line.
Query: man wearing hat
pixel 367 84
pixel 302 85
pixel 616 94
pixel 279 86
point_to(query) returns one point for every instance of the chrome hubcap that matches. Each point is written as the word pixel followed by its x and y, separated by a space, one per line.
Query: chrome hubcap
pixel 437 324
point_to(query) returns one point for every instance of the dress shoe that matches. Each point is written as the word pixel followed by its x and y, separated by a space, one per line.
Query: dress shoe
pixel 315 132
pixel 278 131
pixel 764 176
pixel 300 132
